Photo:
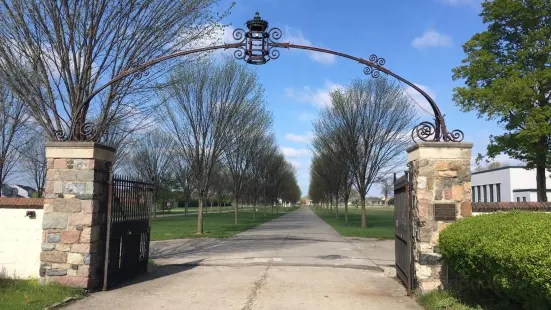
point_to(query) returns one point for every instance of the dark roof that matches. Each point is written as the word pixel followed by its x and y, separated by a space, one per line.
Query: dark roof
pixel 528 190
pixel 21 203
pixel 495 169
pixel 508 206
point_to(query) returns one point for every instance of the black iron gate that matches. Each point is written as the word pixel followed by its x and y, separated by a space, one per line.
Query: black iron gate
pixel 403 230
pixel 128 229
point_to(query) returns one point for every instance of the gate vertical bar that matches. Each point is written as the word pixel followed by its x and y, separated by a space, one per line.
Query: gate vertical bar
pixel 109 218
pixel 409 227
pixel 403 233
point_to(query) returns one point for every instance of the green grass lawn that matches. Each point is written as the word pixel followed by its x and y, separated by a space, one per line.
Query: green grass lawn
pixel 442 300
pixel 466 300
pixel 191 210
pixel 29 294
pixel 380 222
pixel 216 225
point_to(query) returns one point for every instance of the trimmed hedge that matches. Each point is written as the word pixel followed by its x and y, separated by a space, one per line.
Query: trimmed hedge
pixel 504 254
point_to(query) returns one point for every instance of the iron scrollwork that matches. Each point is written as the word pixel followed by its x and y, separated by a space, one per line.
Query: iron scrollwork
pixel 85 132
pixel 429 132
pixel 140 72
pixel 256 46
pixel 377 62
pixel 240 36
pixel 273 36
pixel 259 44
pixel 454 136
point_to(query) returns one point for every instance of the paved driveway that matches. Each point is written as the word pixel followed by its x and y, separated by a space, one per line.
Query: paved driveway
pixel 294 262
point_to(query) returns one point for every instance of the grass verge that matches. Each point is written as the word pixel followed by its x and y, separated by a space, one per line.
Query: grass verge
pixel 442 300
pixel 216 225
pixel 29 294
pixel 380 222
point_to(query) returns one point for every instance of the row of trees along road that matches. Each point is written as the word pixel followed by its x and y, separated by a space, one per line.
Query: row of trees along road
pixel 215 141
pixel 202 132
pixel 359 140
pixel 55 54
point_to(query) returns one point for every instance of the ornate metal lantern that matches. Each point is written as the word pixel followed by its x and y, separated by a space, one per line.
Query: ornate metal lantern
pixel 257 42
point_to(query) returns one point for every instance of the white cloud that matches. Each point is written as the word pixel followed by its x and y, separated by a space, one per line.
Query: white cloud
pixel 319 97
pixel 296 37
pixel 432 38
pixel 306 117
pixel 218 36
pixel 299 138
pixel 293 152
pixel 421 103
pixel 462 2
pixel 480 140
pixel 297 164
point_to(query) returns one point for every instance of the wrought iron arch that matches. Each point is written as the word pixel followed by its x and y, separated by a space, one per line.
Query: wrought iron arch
pixel 258 45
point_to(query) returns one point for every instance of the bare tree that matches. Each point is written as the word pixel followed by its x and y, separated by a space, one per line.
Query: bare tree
pixel 332 168
pixel 184 177
pixel 371 119
pixel 151 159
pixel 275 165
pixel 264 149
pixel 220 180
pixel 33 162
pixel 346 188
pixel 204 103
pixel 55 55
pixel 241 152
pixel 387 188
pixel 13 131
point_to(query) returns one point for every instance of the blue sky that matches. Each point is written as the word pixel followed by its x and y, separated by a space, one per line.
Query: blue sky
pixel 420 40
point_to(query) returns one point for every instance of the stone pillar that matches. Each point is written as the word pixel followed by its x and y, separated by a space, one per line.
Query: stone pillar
pixel 441 188
pixel 74 224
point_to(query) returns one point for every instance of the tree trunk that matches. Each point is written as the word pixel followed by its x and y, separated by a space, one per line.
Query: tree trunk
pixel 272 209
pixel 185 207
pixel 540 181
pixel 346 209
pixel 254 210
pixel 211 203
pixel 364 220
pixel 337 206
pixel 236 217
pixel 386 200
pixel 331 204
pixel 200 216
pixel 219 206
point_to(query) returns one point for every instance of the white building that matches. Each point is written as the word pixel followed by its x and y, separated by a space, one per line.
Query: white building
pixel 505 184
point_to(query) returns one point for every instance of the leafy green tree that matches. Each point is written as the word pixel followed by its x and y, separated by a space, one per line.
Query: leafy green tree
pixel 507 74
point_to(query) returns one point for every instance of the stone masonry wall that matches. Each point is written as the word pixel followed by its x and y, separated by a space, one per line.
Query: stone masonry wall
pixel 74 218
pixel 441 185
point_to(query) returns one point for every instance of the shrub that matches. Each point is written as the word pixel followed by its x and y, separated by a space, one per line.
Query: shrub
pixel 504 254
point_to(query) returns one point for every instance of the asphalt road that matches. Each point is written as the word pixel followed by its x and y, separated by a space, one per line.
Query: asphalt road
pixel 296 261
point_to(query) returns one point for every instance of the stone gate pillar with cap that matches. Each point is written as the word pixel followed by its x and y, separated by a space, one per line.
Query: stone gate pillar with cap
pixel 441 189
pixel 74 223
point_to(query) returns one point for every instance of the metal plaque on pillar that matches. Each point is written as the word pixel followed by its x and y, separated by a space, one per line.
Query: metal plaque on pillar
pixel 444 212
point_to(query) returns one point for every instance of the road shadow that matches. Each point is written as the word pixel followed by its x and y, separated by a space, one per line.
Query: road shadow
pixel 238 244
pixel 158 271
